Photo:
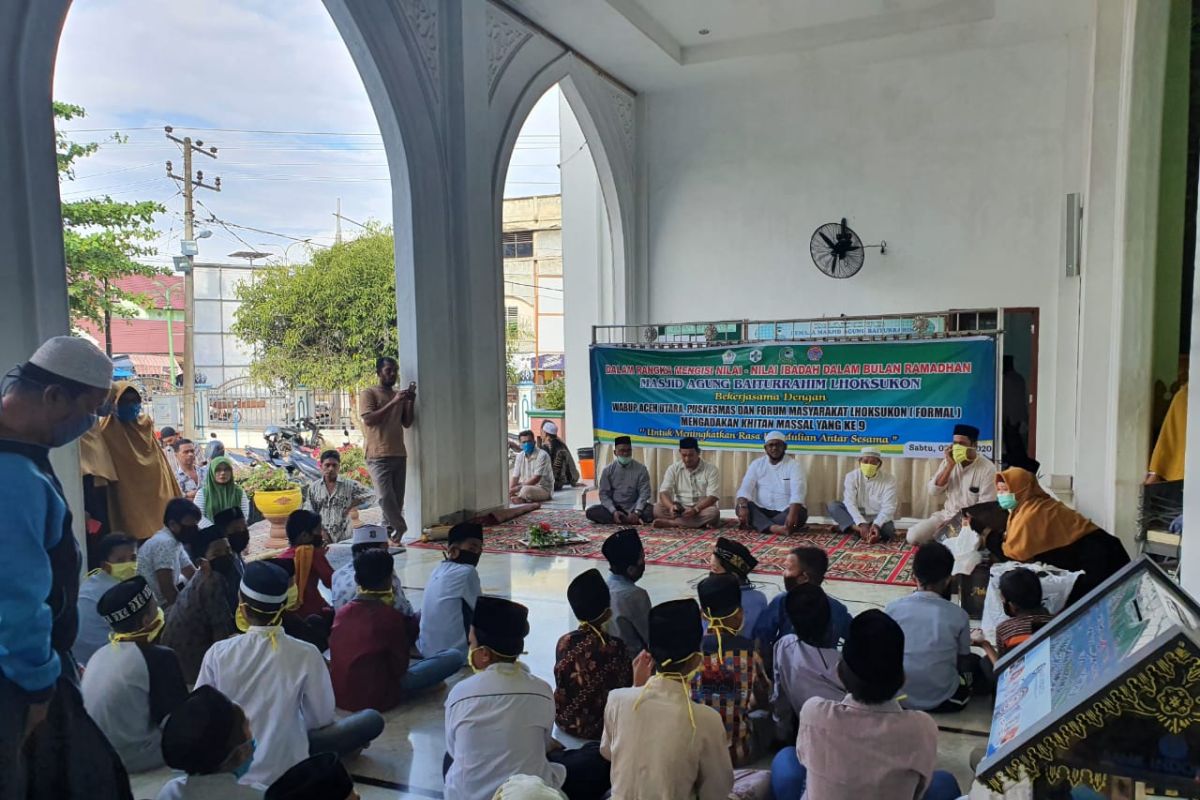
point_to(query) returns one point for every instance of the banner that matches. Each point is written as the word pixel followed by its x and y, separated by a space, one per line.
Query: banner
pixel 903 397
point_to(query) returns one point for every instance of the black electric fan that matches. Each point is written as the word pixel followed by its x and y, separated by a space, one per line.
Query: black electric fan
pixel 837 250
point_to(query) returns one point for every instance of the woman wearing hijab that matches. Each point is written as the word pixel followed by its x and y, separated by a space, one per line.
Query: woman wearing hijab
pixel 219 492
pixel 1041 528
pixel 135 476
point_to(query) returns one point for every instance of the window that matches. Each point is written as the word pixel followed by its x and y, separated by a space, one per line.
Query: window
pixel 512 316
pixel 518 244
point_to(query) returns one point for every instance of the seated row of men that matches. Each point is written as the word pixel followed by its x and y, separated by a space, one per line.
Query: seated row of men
pixel 771 496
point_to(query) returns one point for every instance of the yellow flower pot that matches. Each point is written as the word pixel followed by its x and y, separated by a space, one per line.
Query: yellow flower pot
pixel 276 506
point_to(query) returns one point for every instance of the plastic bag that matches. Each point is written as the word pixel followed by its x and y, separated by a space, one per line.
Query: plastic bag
pixel 965 547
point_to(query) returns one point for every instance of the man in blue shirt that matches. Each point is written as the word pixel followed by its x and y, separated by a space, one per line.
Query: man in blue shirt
pixel 450 594
pixel 803 565
pixel 630 602
pixel 49 747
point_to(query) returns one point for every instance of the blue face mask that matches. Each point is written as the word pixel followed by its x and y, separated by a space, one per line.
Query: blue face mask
pixel 244 767
pixel 71 429
pixel 129 413
pixel 528 447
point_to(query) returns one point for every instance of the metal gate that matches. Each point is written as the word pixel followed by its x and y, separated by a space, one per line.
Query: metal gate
pixel 248 405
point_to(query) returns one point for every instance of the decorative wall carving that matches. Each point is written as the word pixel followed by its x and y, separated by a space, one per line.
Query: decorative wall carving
pixel 422 18
pixel 505 37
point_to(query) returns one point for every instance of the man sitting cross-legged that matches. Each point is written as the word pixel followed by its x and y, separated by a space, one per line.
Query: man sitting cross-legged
pixel 590 660
pixel 898 748
pixel 132 684
pixel 690 493
pixel 208 738
pixel 805 666
pixel 345 587
pixel 771 497
pixel 369 647
pixel 532 479
pixel 282 684
pixel 630 602
pixel 624 489
pixel 451 592
pixel 867 492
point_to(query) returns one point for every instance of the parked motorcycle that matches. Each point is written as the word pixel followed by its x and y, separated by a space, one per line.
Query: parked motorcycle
pixel 292 437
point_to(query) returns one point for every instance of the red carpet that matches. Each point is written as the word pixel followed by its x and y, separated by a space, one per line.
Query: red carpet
pixel 849 558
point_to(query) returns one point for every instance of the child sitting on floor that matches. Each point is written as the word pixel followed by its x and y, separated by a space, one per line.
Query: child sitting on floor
pixel 804 666
pixel 1021 592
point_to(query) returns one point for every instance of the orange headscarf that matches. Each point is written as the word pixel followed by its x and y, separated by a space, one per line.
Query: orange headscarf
pixel 144 481
pixel 1039 523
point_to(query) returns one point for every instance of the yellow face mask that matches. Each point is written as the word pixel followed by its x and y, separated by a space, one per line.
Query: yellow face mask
pixel 123 571
pixel 869 470
pixel 959 452
pixel 148 633
pixel 385 596
pixel 293 598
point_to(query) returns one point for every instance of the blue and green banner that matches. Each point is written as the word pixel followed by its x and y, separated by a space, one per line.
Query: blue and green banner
pixel 905 397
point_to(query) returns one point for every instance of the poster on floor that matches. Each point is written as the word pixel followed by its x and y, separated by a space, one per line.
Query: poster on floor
pixel 904 397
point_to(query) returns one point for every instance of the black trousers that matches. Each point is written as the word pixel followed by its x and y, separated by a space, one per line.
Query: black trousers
pixel 602 516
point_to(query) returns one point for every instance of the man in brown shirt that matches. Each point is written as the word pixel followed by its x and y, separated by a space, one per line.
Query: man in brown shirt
pixel 385 414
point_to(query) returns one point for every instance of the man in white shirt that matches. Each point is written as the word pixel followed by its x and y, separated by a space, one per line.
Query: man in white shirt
pixel 867 492
pixel 690 493
pixel 451 592
pixel 344 586
pixel 208 738
pixel 161 559
pixel 281 683
pixel 532 479
pixel 771 497
pixel 964 479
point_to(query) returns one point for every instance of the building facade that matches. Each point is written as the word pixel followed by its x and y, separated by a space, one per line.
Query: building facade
pixel 531 241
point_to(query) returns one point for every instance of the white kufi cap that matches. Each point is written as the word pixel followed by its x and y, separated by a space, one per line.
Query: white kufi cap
pixel 74 359
pixel 369 534
pixel 550 428
pixel 870 451
pixel 774 436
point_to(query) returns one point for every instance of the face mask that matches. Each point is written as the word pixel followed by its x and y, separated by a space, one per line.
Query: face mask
pixel 869 470
pixel 148 633
pixel 70 430
pixel 243 624
pixel 959 453
pixel 239 541
pixel 636 573
pixel 123 571
pixel 1007 500
pixel 624 461
pixel 222 564
pixel 790 582
pixel 471 658
pixel 240 771
pixel 129 413
pixel 528 448
pixel 468 558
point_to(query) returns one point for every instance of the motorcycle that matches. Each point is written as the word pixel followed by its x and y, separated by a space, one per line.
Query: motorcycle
pixel 292 437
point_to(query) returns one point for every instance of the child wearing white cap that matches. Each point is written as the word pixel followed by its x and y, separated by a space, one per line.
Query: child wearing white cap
pixel 867 492
pixel 343 587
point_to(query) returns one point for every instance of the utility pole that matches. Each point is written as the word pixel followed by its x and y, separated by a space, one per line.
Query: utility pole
pixel 107 322
pixel 337 236
pixel 188 182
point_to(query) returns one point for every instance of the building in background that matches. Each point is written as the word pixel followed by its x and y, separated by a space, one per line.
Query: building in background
pixel 220 356
pixel 533 285
pixel 151 335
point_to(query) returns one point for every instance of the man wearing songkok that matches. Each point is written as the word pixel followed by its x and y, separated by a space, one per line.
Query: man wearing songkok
pixel 731 557
pixel 589 661
pixel 47 402
pixel 899 747
pixel 202 614
pixel 806 564
pixel 498 721
pixel 319 777
pixel 369 647
pixel 805 666
pixel 208 738
pixel 232 523
pixel 345 587
pixel 867 492
pixel 732 679
pixel 451 592
pixel 661 743
pixel 306 538
pixel 162 559
pixel 630 602
pixel 132 684
pixel 117 563
pixel 771 497
pixel 964 479
pixel 624 489
pixel 690 493
pixel 282 683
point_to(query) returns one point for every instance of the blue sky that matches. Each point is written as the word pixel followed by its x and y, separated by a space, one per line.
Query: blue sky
pixel 254 68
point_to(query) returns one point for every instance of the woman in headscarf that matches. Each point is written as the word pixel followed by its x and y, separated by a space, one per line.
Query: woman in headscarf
pixel 124 459
pixel 1042 529
pixel 219 492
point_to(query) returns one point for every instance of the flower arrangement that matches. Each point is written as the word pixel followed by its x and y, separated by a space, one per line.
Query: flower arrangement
pixel 263 478
pixel 354 466
pixel 542 535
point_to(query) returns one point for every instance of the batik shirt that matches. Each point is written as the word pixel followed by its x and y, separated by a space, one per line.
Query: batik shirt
pixel 334 507
pixel 586 669
pixel 734 686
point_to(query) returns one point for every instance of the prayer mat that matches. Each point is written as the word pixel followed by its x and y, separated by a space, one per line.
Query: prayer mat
pixel 850 559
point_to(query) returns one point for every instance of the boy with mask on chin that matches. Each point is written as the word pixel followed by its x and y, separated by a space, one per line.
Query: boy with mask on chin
pixel 630 602
pixel 202 615
pixel 451 592
pixel 162 560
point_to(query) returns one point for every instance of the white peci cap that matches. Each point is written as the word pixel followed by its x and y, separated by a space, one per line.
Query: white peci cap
pixel 774 436
pixel 74 359
pixel 369 534
pixel 550 428
pixel 870 451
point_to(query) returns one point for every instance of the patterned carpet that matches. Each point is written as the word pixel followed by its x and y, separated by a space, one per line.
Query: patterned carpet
pixel 849 558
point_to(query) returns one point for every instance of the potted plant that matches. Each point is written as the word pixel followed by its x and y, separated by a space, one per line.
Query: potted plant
pixel 275 497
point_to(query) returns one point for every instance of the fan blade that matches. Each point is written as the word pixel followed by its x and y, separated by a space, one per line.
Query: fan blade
pixel 851 249
pixel 828 241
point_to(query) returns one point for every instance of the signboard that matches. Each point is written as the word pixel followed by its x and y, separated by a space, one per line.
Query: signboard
pixel 1110 688
pixel 903 397
pixel 165 410
pixel 883 326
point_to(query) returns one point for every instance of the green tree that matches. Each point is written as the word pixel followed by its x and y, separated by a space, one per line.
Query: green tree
pixel 101 236
pixel 324 323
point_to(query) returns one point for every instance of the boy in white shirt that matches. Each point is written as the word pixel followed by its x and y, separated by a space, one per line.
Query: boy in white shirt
pixel 867 492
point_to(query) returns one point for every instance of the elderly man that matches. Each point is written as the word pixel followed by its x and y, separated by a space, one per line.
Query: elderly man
pixel 867 492
pixel 771 497
pixel 532 479
pixel 964 479
pixel 689 496
pixel 624 489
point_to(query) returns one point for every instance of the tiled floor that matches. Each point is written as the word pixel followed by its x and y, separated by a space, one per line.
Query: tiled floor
pixel 406 761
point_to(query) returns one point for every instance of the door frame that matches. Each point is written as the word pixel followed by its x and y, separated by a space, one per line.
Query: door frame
pixel 1031 381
